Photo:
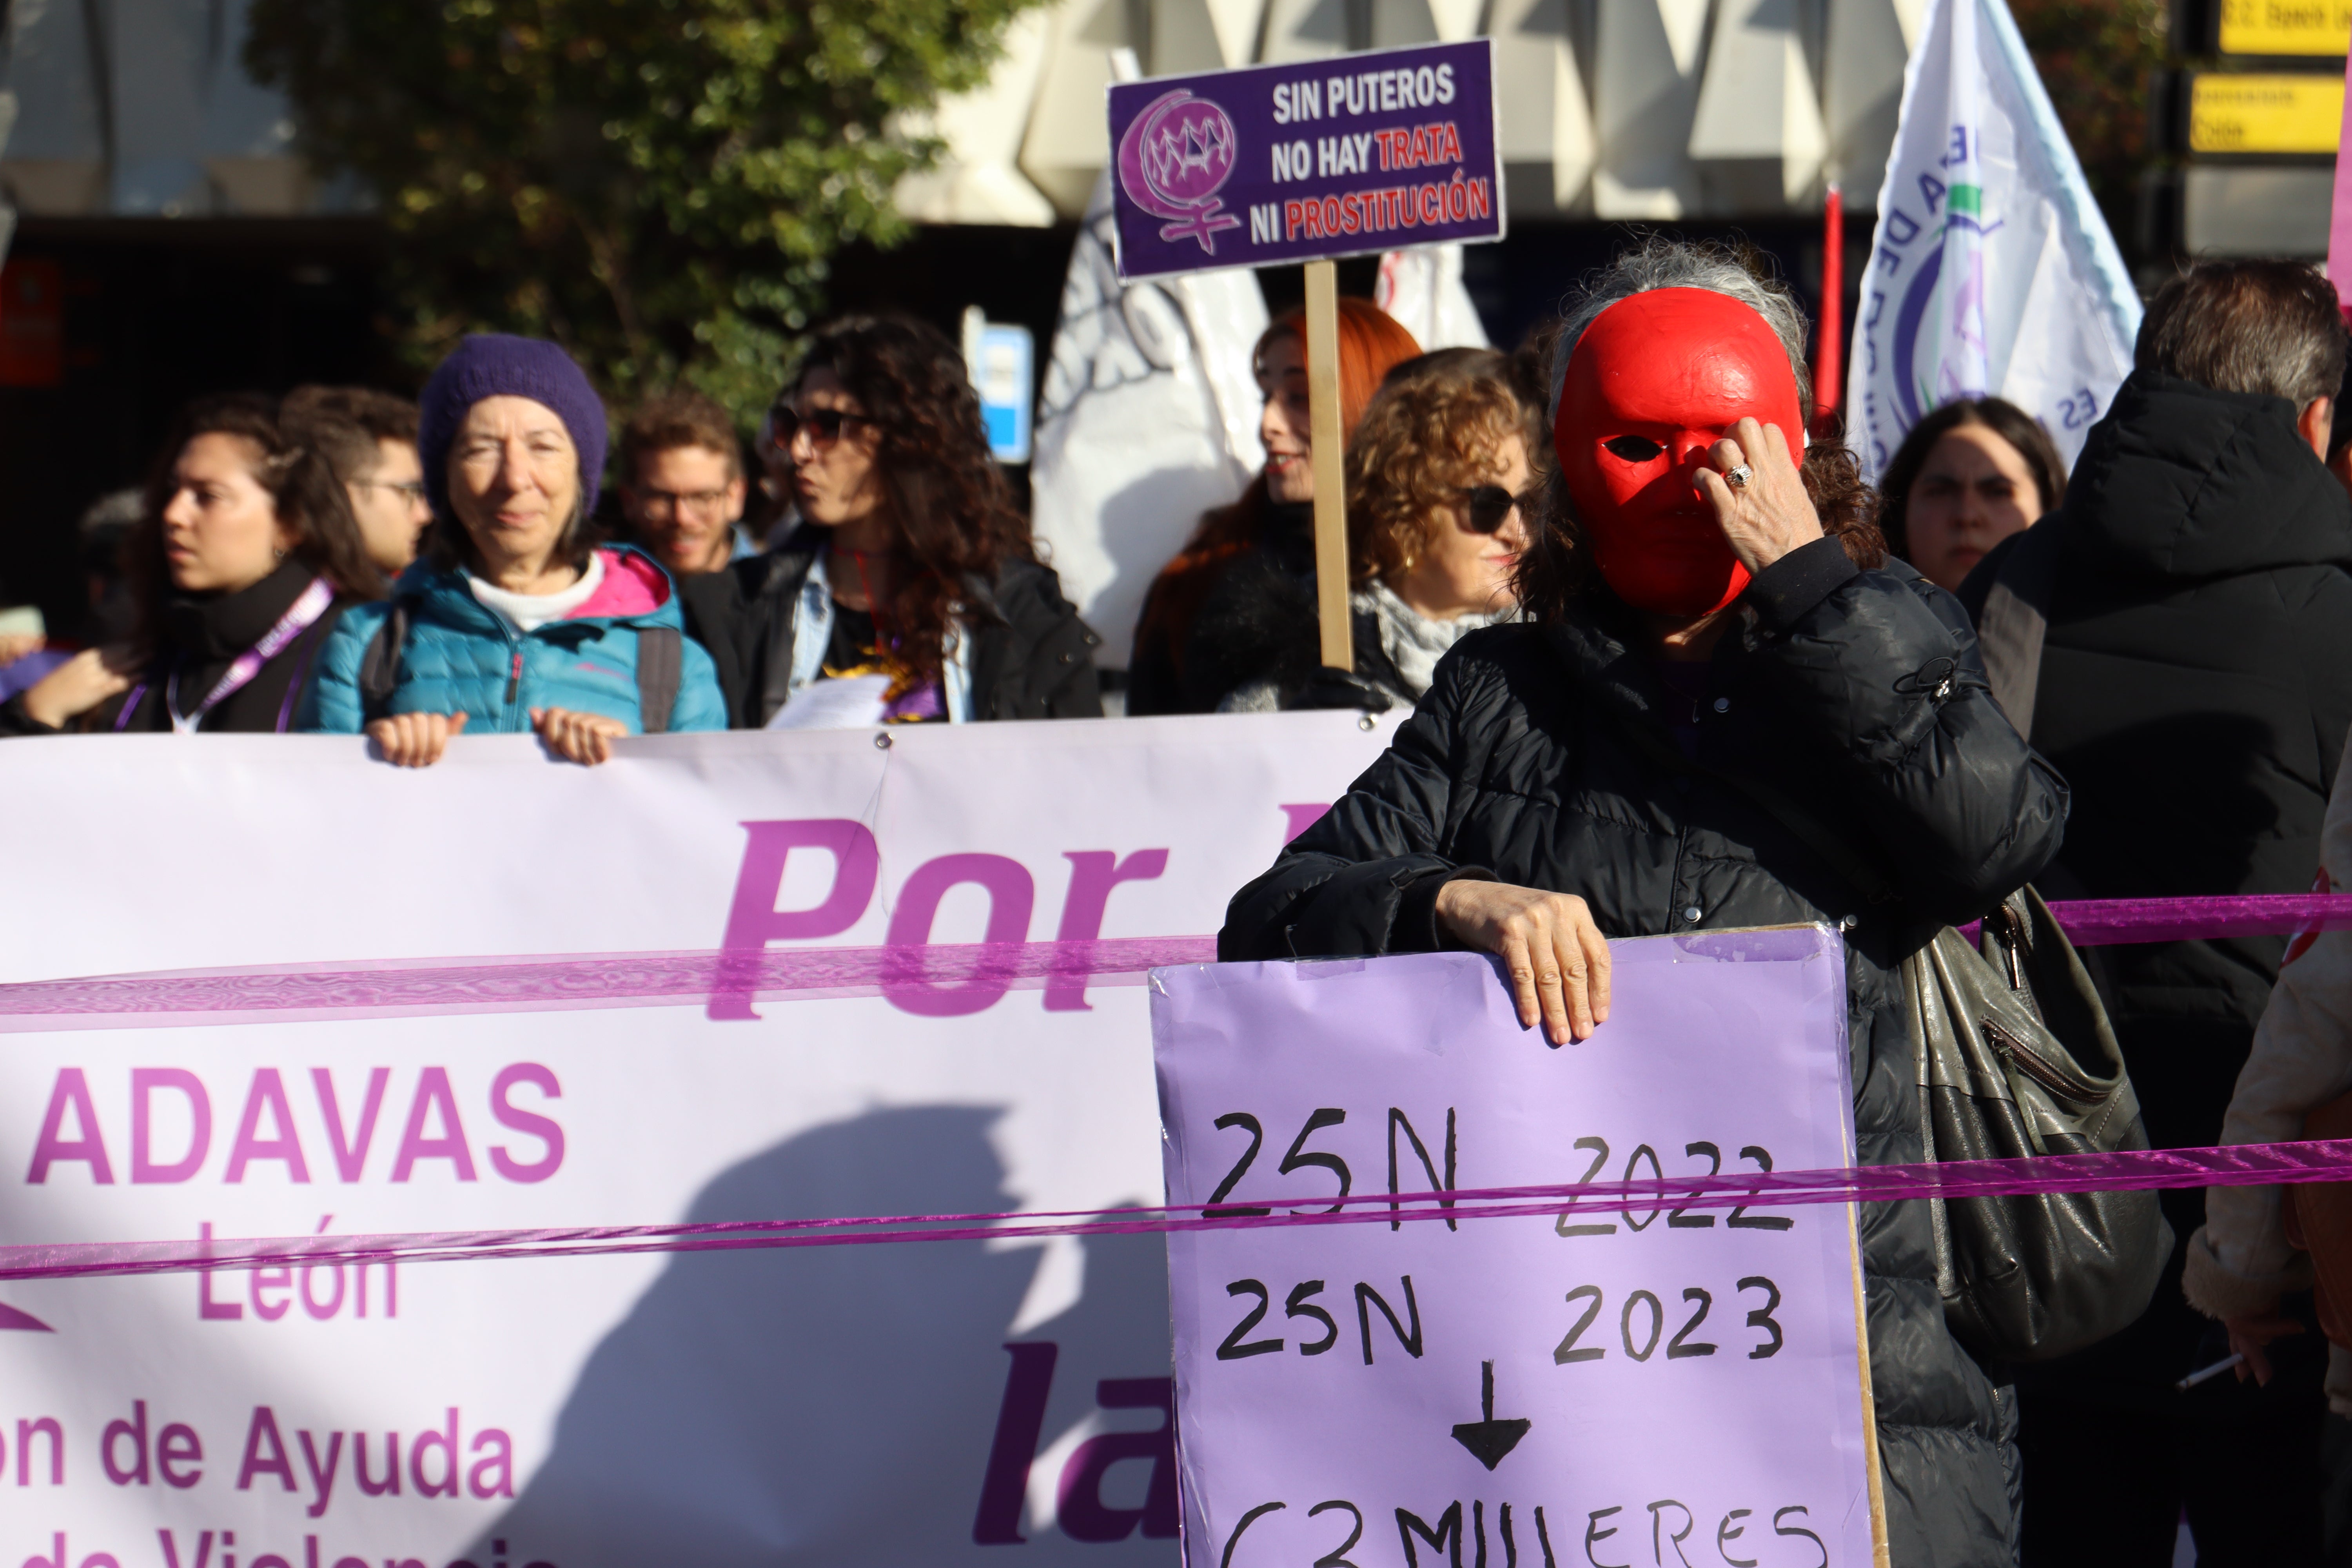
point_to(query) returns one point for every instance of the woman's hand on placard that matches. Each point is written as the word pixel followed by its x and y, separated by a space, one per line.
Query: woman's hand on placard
pixel 1769 516
pixel 583 738
pixel 414 740
pixel 1556 956
pixel 77 686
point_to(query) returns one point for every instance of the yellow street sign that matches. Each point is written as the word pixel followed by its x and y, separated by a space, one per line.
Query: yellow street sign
pixel 2232 112
pixel 2285 28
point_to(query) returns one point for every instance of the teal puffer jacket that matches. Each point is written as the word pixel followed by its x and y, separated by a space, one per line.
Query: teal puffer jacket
pixel 462 657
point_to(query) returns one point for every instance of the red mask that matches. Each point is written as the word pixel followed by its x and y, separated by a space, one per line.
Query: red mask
pixel 1655 380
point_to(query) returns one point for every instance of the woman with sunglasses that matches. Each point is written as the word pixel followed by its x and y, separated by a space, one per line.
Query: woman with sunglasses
pixel 1436 469
pixel 243 562
pixel 514 620
pixel 910 592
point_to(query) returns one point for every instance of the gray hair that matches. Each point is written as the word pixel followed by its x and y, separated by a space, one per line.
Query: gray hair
pixel 2247 326
pixel 1664 263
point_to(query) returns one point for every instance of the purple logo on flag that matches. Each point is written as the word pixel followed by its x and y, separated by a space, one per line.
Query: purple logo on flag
pixel 1173 158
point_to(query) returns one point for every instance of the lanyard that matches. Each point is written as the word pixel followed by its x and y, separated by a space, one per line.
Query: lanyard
pixel 298 619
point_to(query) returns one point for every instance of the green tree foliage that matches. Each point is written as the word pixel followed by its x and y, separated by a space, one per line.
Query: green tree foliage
pixel 2097 57
pixel 657 184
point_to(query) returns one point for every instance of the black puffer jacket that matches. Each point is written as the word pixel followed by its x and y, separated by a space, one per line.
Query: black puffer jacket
pixel 2196 686
pixel 1860 692
pixel 201 637
pixel 1031 657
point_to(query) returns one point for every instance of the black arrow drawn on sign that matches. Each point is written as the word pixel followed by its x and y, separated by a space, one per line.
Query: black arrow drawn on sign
pixel 1490 1439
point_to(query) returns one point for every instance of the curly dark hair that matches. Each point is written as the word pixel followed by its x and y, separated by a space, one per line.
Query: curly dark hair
pixel 310 501
pixel 1556 576
pixel 956 523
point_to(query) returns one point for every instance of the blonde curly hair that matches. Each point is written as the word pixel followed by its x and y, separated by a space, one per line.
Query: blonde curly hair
pixel 1432 431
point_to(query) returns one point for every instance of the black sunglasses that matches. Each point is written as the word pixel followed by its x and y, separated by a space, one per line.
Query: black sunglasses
pixel 1491 504
pixel 824 425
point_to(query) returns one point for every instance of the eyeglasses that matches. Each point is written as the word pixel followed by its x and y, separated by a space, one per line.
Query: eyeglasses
pixel 1490 505
pixel 824 425
pixel 412 488
pixel 686 501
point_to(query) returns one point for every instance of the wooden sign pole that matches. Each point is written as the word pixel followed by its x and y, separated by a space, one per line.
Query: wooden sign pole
pixel 1330 473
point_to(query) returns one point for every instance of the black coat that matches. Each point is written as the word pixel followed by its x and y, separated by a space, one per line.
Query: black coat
pixel 1860 692
pixel 201 637
pixel 1260 625
pixel 1031 657
pixel 2196 688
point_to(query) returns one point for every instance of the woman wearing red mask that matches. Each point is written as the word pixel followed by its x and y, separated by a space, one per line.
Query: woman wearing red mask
pixel 1709 627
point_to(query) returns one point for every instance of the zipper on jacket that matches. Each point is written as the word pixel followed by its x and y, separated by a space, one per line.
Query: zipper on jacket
pixel 514 678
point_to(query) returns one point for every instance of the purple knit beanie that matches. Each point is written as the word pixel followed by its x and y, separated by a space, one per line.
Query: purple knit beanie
pixel 494 365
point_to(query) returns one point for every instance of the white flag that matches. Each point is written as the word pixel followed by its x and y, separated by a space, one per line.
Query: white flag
pixel 1991 271
pixel 1422 289
pixel 1149 418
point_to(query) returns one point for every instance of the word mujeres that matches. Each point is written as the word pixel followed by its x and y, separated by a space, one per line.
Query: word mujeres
pixel 1783 1543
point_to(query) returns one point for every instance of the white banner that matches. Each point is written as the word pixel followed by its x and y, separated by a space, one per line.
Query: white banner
pixel 1422 290
pixel 1149 418
pixel 1991 270
pixel 309 1063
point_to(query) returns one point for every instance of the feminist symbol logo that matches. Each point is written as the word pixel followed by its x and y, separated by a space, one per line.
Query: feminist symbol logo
pixel 1171 161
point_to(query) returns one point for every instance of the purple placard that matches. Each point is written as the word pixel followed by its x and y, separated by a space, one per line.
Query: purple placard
pixel 1371 152
pixel 1547 1389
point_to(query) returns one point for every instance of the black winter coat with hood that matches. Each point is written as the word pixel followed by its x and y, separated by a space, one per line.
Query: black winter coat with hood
pixel 1859 692
pixel 2196 689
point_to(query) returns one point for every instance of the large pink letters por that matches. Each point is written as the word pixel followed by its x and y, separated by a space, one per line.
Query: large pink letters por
pixel 1638 1386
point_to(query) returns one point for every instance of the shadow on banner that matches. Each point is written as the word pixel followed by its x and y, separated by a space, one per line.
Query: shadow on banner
pixel 840 1405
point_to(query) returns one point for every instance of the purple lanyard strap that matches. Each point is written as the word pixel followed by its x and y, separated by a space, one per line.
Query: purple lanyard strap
pixel 299 618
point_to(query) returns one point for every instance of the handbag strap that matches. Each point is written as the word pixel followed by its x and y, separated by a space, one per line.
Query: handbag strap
pixel 379 665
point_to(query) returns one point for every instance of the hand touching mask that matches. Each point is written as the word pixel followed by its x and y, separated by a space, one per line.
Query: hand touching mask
pixel 1655 380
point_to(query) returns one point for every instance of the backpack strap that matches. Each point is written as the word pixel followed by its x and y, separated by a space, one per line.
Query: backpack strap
pixel 2016 615
pixel 661 664
pixel 380 665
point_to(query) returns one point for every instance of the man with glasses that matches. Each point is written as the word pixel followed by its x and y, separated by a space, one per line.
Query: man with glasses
pixel 682 485
pixel 368 438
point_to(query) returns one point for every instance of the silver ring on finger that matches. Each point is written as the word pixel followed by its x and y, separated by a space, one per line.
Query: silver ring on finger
pixel 1737 475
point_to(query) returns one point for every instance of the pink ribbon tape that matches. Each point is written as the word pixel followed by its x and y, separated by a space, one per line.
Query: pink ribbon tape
pixel 2255 1164
pixel 289 993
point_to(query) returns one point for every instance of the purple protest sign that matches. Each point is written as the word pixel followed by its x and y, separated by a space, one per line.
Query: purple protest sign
pixel 1556 1387
pixel 1363 153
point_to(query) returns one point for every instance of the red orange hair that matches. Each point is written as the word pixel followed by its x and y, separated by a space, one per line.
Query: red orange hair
pixel 1371 344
